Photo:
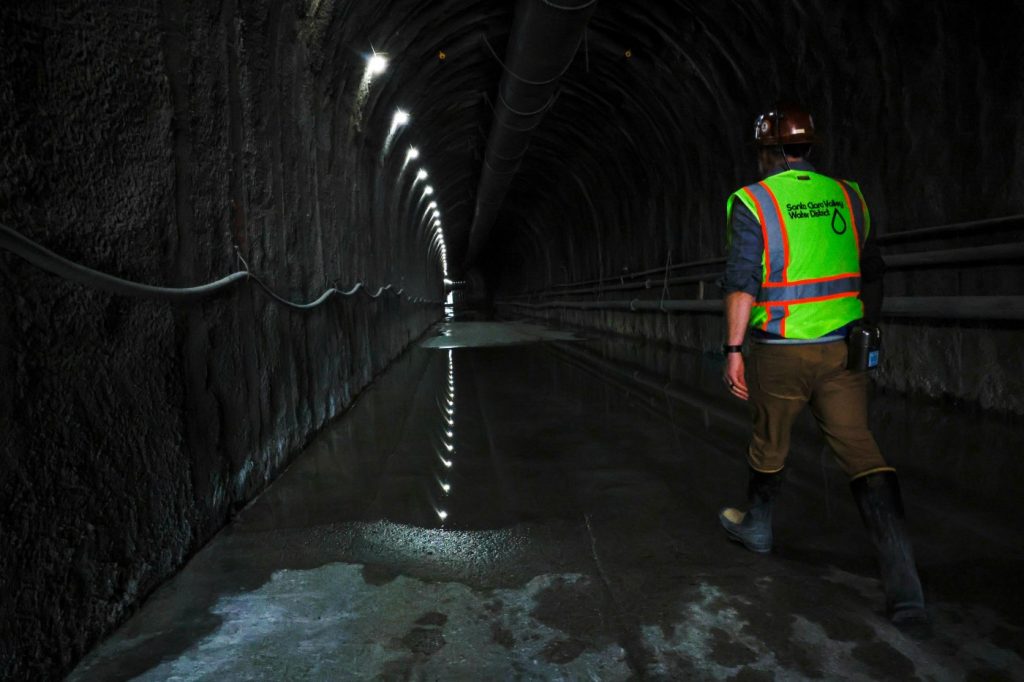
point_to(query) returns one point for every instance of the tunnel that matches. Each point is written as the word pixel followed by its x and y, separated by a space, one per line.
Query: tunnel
pixel 382 339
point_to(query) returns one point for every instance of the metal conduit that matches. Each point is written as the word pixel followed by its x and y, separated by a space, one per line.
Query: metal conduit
pixel 542 45
pixel 995 253
pixel 983 226
pixel 990 308
pixel 44 259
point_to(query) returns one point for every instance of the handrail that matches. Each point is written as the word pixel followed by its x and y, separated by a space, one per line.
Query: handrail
pixel 642 273
pixel 633 305
pixel 963 256
pixel 900 261
pixel 987 224
pixel 45 259
pixel 944 307
pixel 992 224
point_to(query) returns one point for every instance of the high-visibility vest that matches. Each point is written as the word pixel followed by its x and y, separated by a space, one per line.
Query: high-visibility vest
pixel 813 227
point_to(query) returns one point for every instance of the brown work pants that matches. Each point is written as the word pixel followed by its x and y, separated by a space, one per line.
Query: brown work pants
pixel 783 378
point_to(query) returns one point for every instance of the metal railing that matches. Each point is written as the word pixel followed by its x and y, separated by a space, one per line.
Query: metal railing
pixel 947 307
pixel 627 281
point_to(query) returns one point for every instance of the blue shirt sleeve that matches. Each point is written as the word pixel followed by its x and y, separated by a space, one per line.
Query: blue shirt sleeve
pixel 743 263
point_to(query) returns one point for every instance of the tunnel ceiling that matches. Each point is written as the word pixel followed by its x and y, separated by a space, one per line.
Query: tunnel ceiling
pixel 630 167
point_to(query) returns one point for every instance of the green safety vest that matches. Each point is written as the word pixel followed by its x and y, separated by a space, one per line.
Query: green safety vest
pixel 813 227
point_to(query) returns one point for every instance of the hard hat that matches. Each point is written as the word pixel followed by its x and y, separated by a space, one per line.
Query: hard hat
pixel 784 124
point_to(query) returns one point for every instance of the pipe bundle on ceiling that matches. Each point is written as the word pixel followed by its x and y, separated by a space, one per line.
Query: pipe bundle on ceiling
pixel 542 46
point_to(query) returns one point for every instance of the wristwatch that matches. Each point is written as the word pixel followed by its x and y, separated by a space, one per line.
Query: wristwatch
pixel 726 348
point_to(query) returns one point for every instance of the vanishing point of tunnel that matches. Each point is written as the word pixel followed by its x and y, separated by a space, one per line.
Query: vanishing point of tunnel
pixel 511 340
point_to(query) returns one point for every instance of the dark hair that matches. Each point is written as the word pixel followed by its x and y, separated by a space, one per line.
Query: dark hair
pixel 798 150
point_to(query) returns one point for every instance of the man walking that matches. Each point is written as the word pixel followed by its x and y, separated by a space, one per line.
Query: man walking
pixel 802 268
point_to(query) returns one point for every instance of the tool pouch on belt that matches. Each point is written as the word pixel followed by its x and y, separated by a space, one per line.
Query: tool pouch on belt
pixel 865 347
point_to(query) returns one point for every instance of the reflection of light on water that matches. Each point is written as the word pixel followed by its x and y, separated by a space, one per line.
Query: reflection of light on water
pixel 448 439
pixel 449 306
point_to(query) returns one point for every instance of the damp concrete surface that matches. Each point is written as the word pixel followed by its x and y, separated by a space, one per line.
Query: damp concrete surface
pixel 506 503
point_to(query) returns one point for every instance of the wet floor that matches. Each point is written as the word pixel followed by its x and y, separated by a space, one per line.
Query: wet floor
pixel 508 502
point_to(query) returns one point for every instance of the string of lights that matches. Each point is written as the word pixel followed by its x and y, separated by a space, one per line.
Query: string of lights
pixel 376 65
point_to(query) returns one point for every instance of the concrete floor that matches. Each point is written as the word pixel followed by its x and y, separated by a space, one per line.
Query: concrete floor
pixel 546 511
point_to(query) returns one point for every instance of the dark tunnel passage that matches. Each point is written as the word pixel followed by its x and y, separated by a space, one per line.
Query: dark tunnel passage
pixel 272 269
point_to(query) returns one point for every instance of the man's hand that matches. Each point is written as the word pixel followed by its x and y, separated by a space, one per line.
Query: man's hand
pixel 735 375
pixel 737 314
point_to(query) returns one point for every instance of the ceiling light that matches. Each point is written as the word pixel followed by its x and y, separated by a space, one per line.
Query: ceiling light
pixel 376 64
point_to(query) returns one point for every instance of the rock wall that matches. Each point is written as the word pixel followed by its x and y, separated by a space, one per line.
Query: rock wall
pixel 150 140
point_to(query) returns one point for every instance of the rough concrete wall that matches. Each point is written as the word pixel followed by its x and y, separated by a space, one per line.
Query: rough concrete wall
pixel 922 104
pixel 149 140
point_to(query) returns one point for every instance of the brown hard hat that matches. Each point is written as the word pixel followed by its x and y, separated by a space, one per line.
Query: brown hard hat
pixel 784 124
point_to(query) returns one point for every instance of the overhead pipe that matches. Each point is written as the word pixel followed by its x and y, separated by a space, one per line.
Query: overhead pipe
pixel 542 45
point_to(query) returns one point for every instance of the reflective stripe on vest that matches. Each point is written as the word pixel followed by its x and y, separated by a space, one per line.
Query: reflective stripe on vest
pixel 776 249
pixel 773 228
pixel 856 211
pixel 807 290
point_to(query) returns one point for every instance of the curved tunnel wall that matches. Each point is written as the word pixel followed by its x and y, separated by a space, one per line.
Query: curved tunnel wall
pixel 923 105
pixel 149 141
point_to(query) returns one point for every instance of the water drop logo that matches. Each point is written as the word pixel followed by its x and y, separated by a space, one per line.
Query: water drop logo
pixel 839 225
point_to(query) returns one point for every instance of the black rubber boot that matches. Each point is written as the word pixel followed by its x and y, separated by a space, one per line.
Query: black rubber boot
pixel 881 508
pixel 753 527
